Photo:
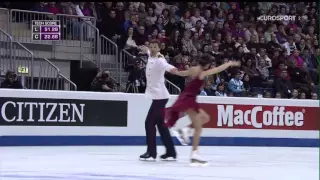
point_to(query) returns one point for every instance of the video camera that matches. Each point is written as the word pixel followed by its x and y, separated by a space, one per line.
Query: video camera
pixel 135 62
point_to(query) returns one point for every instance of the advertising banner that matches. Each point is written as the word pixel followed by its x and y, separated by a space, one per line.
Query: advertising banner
pixel 262 117
pixel 62 112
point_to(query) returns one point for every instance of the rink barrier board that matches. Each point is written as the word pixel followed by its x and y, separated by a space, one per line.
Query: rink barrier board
pixel 235 121
pixel 141 140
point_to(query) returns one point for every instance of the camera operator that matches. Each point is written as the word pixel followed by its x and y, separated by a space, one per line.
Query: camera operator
pixel 103 82
pixel 137 78
pixel 11 81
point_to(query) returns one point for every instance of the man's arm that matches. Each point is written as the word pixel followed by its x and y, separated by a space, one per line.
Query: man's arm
pixel 145 50
pixel 171 69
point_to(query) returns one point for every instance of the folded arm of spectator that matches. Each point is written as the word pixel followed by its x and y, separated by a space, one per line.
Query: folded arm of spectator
pixel 233 87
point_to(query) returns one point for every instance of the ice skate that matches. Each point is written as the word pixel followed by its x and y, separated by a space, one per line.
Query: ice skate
pixel 183 135
pixel 168 157
pixel 147 157
pixel 196 160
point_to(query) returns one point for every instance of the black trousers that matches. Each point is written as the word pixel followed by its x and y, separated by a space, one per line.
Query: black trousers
pixel 155 118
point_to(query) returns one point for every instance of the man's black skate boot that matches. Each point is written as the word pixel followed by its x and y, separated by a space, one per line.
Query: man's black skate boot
pixel 168 157
pixel 148 157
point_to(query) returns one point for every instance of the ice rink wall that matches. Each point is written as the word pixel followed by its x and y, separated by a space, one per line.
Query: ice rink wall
pixel 85 118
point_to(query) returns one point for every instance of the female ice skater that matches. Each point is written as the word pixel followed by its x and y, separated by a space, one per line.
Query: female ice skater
pixel 186 103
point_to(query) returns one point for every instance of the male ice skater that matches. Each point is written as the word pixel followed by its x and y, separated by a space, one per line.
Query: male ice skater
pixel 157 91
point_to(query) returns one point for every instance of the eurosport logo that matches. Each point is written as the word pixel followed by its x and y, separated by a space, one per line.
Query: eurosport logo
pixel 276 18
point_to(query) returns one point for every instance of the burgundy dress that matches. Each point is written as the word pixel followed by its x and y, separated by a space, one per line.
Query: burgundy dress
pixel 185 101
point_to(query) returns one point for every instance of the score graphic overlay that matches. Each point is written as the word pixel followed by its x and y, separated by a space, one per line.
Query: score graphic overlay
pixel 46 30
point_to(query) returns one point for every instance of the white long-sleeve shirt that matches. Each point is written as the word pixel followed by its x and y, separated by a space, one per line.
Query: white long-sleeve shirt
pixel 155 69
pixel 80 14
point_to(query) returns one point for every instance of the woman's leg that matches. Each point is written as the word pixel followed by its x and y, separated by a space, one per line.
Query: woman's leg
pixel 197 121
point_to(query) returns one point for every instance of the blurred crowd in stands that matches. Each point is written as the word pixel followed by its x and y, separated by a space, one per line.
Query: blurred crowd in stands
pixel 279 58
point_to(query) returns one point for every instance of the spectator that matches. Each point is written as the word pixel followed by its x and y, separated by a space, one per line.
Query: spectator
pixel 281 34
pixel 267 95
pixel 273 45
pixel 187 42
pixel 298 61
pixel 208 15
pixel 165 16
pixel 278 95
pixel 314 96
pixel 253 43
pixel 283 85
pixel 93 11
pixel 263 69
pixel 196 17
pixel 299 77
pixel 103 82
pixel 186 19
pixel 128 42
pixel 52 8
pixel 82 10
pixel 203 92
pixel 220 17
pixel 120 12
pixel 162 36
pixel 238 31
pixel 137 79
pixel 107 7
pixel 249 33
pixel 294 94
pixel 267 34
pixel 220 90
pixel 301 46
pixel 149 27
pixel 262 44
pixel 210 28
pixel 175 39
pixel 159 24
pixel 129 12
pixel 171 26
pixel 133 22
pixel 11 81
pixel 290 46
pixel 236 85
pixel 140 37
pixel 209 89
pixel 310 63
pixel 72 24
pixel 112 32
pixel 142 13
pixel 247 84
pixel 302 95
pixel 263 56
pixel 159 7
pixel 251 69
pixel 151 15
pixel 198 28
pixel 173 11
pixel 41 7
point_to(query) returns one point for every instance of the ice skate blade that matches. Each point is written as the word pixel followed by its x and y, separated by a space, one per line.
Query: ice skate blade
pixel 148 159
pixel 177 135
pixel 169 159
pixel 199 164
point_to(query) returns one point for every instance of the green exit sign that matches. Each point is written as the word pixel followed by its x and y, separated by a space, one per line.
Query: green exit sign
pixel 23 70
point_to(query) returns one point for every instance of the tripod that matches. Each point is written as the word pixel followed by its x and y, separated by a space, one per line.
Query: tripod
pixel 133 86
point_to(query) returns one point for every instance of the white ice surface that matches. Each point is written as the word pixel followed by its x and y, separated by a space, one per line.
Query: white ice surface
pixel 121 163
